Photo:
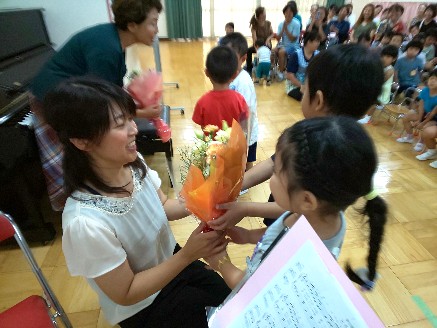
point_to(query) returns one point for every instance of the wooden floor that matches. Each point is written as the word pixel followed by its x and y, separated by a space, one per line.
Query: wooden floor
pixel 408 262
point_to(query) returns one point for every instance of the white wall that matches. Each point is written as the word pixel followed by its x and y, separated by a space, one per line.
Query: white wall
pixel 162 23
pixel 66 17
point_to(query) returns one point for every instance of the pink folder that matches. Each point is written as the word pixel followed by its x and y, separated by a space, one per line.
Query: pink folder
pixel 321 296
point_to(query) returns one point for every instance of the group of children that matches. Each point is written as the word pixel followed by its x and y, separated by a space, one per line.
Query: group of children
pixel 407 71
pixel 423 118
pixel 303 151
pixel 233 95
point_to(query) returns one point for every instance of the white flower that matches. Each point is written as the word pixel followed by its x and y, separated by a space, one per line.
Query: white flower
pixel 223 135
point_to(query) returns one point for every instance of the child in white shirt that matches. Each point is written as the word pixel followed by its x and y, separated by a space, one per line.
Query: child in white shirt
pixel 243 84
pixel 263 54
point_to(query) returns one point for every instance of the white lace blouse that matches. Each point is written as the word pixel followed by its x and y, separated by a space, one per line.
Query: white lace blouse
pixel 100 233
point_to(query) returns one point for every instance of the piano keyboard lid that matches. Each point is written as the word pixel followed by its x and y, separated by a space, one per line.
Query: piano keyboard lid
pixel 11 107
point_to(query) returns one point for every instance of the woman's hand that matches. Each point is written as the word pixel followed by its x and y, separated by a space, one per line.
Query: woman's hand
pixel 152 111
pixel 236 211
pixel 204 244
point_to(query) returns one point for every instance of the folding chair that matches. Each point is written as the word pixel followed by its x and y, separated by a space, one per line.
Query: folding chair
pixel 35 311
pixel 395 110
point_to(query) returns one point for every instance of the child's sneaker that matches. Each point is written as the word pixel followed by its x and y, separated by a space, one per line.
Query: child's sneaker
pixel 430 154
pixel 268 82
pixel 280 76
pixel 419 147
pixel 244 191
pixel 433 164
pixel 365 119
pixel 256 82
pixel 407 139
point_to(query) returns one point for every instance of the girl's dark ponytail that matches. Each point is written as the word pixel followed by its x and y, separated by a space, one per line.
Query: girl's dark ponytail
pixel 376 210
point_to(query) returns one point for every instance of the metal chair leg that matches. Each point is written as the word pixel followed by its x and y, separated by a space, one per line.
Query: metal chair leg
pixel 157 56
pixel 176 84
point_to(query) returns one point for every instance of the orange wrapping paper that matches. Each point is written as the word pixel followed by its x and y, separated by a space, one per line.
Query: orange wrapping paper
pixel 224 181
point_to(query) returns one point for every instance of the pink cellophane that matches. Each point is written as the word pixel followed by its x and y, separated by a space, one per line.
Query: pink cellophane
pixel 146 89
pixel 224 181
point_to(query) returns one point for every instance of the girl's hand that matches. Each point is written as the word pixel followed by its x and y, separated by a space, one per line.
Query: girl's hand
pixel 204 244
pixel 420 125
pixel 239 235
pixel 149 112
pixel 216 260
pixel 235 213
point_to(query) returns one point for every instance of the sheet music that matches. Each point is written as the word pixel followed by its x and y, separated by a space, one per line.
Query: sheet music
pixel 302 294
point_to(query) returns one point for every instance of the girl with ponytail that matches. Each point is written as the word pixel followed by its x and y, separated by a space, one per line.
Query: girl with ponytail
pixel 260 28
pixel 315 175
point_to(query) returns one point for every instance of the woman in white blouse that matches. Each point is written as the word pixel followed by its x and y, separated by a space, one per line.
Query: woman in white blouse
pixel 115 222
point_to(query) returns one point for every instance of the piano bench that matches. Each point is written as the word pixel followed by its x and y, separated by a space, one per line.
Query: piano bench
pixel 148 141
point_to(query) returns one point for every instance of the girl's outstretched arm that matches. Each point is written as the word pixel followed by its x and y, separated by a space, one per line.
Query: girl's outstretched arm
pixel 222 263
pixel 236 211
pixel 241 235
pixel 259 173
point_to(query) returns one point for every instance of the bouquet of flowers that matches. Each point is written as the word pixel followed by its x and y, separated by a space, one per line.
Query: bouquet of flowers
pixel 212 171
pixel 146 89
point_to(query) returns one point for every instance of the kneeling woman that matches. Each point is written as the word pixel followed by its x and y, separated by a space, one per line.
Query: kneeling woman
pixel 298 62
pixel 115 221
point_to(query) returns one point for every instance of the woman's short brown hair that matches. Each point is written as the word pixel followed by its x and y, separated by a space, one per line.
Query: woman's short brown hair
pixel 133 11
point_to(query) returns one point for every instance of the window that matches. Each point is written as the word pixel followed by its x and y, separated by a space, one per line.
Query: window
pixel 224 11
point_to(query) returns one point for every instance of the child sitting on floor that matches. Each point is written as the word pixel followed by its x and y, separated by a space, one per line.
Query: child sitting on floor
pixel 221 103
pixel 429 136
pixel 423 117
pixel 315 175
pixel 229 28
pixel 408 67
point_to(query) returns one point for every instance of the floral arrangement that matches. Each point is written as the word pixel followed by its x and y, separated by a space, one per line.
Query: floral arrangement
pixel 146 89
pixel 212 170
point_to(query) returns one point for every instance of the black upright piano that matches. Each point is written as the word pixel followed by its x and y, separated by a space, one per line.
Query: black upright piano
pixel 24 48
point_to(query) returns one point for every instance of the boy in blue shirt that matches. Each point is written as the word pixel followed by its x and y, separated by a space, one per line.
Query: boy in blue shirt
pixel 425 116
pixel 408 67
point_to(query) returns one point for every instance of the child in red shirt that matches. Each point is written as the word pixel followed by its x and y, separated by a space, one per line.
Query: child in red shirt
pixel 221 103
